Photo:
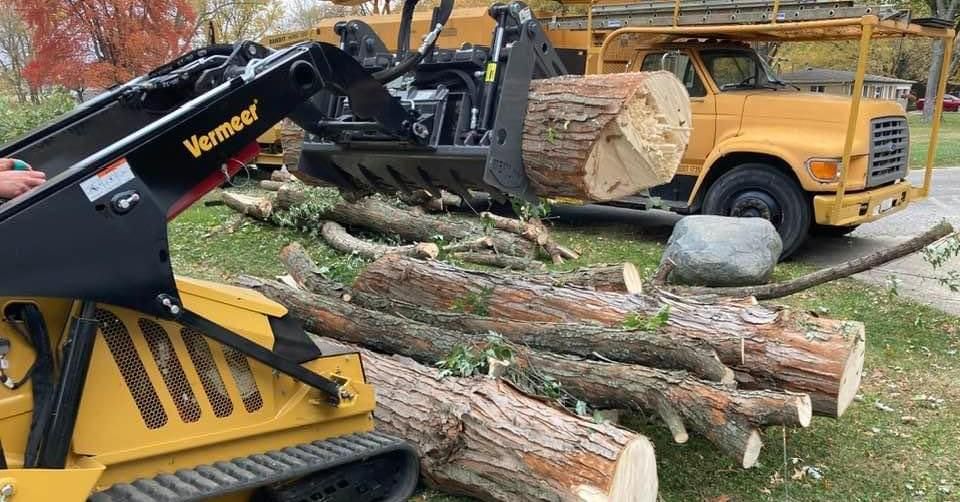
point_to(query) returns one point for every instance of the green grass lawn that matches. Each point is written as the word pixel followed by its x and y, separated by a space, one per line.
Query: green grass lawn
pixel 948 145
pixel 869 454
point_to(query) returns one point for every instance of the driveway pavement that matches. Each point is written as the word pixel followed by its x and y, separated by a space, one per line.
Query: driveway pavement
pixel 914 277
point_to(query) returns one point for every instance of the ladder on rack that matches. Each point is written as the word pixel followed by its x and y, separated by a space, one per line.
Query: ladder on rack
pixel 707 12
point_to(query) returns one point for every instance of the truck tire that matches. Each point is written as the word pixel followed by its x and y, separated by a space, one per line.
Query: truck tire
pixel 761 190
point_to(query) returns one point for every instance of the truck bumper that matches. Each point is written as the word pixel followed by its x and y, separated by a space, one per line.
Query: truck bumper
pixel 866 206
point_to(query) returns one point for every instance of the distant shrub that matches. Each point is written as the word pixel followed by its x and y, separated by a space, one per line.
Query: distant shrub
pixel 17 119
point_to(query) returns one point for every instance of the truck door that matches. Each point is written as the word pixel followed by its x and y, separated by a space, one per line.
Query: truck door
pixel 702 107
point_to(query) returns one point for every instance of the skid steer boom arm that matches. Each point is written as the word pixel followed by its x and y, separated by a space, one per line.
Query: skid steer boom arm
pixel 124 164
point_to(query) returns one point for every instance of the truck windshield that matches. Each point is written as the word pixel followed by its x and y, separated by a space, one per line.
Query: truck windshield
pixel 739 69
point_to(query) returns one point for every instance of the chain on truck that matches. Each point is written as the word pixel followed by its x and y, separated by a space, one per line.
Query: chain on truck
pixel 810 163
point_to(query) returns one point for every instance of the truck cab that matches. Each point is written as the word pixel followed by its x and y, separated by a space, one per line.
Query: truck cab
pixel 761 148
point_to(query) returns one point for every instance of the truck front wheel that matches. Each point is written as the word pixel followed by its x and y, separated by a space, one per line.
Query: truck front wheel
pixel 762 191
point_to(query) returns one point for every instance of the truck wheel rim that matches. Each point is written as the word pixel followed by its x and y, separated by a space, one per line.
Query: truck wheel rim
pixel 756 204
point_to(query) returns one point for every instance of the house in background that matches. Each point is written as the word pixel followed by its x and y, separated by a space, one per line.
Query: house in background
pixel 841 82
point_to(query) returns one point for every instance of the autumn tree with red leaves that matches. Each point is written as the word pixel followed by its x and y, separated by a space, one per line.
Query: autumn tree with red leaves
pixel 83 44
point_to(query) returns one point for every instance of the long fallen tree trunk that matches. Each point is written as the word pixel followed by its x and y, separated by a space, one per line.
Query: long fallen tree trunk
pixel 728 417
pixel 602 137
pixel 482 438
pixel 769 348
pixel 639 347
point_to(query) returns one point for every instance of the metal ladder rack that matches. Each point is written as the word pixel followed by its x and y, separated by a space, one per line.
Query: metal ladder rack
pixel 707 12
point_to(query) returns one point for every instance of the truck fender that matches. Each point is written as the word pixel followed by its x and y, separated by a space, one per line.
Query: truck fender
pixel 742 146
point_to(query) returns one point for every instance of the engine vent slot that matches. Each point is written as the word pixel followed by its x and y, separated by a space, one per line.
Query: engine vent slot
pixel 243 377
pixel 125 355
pixel 206 366
pixel 168 362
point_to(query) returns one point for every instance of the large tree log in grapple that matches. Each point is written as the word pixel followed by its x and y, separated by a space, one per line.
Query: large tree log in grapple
pixel 768 347
pixel 602 137
pixel 728 417
pixel 482 438
pixel 639 347
pixel 378 215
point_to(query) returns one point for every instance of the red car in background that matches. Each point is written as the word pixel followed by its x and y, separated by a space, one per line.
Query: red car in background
pixel 951 103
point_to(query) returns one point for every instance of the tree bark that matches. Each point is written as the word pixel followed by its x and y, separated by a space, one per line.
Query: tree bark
pixel 281 175
pixel 638 347
pixel 339 239
pixel 289 195
pixel 378 215
pixel 623 278
pixel 291 139
pixel 482 438
pixel 257 207
pixel 499 260
pixel 270 185
pixel 602 137
pixel 726 416
pixel 845 269
pixel 532 230
pixel 768 347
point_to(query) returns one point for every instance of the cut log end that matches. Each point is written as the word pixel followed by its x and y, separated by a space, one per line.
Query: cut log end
pixel 852 372
pixel 751 452
pixel 632 280
pixel 635 478
pixel 804 410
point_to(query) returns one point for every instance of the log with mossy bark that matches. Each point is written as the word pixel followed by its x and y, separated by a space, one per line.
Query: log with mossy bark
pixel 730 418
pixel 482 438
pixel 603 137
pixel 769 347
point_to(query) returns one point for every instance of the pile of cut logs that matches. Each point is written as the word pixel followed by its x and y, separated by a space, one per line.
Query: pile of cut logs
pixel 720 366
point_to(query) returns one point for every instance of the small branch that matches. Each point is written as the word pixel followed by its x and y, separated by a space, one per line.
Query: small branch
pixel 499 260
pixel 662 273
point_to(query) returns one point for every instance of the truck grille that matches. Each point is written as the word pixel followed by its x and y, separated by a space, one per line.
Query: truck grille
pixel 889 150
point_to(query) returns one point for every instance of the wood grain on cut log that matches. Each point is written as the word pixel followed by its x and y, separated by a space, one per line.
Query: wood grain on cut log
pixel 638 347
pixel 256 207
pixel 602 137
pixel 377 215
pixel 338 238
pixel 482 438
pixel 623 278
pixel 770 348
pixel 713 410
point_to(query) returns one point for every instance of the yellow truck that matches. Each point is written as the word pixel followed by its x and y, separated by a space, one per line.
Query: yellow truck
pixel 808 162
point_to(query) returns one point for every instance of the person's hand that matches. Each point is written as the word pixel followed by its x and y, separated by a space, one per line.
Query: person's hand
pixel 15 183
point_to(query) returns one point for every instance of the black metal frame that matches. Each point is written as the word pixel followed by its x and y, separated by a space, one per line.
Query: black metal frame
pixel 65 241
pixel 360 158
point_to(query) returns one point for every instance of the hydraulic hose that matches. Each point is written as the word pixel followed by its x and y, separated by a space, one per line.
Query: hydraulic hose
pixel 410 61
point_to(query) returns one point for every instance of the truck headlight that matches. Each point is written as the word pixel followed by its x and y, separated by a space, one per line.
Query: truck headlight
pixel 824 169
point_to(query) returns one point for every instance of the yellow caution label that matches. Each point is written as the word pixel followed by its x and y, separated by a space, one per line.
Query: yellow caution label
pixel 491 72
